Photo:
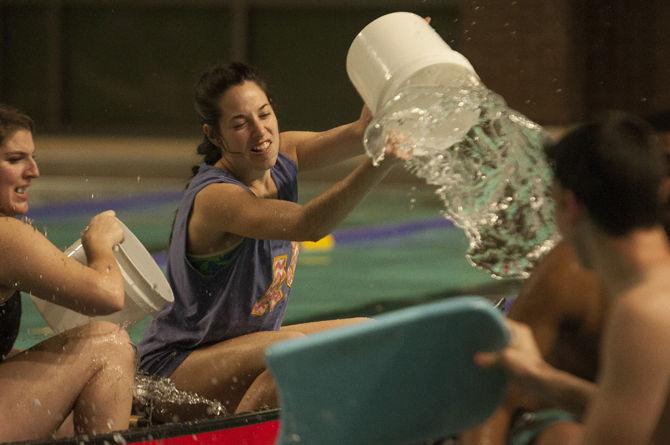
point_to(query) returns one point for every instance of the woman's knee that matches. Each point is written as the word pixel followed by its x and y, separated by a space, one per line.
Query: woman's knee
pixel 105 338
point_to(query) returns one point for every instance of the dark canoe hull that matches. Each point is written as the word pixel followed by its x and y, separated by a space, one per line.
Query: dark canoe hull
pixel 251 429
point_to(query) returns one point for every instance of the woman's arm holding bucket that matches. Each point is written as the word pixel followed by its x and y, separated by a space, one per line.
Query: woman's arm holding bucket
pixel 321 149
pixel 221 209
pixel 31 263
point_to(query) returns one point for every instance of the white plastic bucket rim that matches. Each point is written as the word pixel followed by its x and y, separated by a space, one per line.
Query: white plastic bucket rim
pixel 390 50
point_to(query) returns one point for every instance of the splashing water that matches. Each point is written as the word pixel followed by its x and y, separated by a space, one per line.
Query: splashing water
pixel 155 392
pixel 27 220
pixel 487 163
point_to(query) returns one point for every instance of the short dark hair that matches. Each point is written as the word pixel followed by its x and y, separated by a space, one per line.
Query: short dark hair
pixel 11 120
pixel 614 166
pixel 213 83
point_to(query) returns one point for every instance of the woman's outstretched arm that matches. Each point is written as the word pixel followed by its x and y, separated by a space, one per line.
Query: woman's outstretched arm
pixel 320 149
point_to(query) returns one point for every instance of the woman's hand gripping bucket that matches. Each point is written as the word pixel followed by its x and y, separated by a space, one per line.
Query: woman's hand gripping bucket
pixel 146 288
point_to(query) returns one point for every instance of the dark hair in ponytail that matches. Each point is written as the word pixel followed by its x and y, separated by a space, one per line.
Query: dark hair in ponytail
pixel 212 85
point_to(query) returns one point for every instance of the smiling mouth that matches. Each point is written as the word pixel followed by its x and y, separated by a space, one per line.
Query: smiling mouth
pixel 21 190
pixel 263 147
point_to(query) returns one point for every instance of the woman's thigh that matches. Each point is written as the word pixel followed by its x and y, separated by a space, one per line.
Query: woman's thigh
pixel 224 371
pixel 316 326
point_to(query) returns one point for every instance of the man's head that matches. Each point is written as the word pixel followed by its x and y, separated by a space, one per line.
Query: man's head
pixel 608 173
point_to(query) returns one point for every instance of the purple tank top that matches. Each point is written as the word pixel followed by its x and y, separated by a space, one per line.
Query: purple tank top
pixel 249 295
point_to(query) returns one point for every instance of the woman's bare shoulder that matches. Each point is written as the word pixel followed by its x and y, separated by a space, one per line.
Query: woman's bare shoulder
pixel 16 230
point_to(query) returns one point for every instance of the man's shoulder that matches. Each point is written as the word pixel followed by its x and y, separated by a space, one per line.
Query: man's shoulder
pixel 559 287
pixel 644 311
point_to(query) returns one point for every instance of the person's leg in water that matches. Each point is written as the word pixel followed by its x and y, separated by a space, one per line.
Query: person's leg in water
pixel 87 370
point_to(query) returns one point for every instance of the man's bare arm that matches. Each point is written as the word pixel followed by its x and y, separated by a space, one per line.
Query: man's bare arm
pixel 633 387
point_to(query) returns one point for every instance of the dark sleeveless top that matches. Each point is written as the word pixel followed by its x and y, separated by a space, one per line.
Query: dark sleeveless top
pixel 248 295
pixel 10 321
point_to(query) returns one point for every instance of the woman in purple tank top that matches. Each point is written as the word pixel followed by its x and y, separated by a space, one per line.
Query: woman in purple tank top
pixel 235 239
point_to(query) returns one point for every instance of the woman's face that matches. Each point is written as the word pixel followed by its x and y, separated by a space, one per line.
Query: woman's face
pixel 248 127
pixel 17 170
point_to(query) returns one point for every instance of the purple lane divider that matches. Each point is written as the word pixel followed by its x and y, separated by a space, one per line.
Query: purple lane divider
pixel 361 234
pixel 93 206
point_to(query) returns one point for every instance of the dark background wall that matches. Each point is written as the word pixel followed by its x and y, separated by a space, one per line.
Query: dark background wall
pixel 560 61
pixel 128 67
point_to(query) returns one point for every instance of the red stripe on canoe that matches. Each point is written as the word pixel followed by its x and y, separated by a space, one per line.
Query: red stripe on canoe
pixel 263 433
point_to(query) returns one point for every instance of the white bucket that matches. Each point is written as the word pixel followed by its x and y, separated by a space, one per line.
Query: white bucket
pixel 145 285
pixel 401 49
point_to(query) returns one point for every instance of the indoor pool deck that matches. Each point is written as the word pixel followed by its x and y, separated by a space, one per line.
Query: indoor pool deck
pixel 394 250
